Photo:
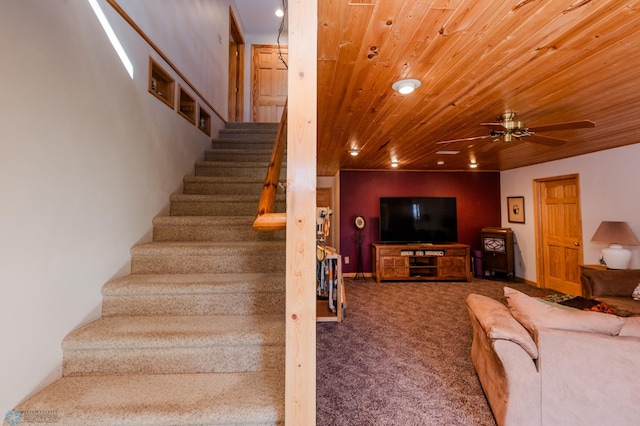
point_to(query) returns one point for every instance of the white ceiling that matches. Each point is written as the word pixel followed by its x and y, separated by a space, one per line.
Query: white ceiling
pixel 258 16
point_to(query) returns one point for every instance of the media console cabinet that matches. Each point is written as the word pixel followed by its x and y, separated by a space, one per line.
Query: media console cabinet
pixel 421 262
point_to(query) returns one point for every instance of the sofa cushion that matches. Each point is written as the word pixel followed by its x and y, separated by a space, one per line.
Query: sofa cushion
pixel 533 314
pixel 631 327
pixel 498 323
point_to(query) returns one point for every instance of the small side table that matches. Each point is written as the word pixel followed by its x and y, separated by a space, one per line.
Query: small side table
pixel 596 267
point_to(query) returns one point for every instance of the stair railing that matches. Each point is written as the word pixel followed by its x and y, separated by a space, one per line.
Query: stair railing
pixel 266 219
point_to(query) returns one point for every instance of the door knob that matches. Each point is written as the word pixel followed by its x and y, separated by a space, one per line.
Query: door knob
pixel 576 244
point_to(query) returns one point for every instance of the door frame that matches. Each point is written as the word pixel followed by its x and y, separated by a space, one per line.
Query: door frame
pixel 236 71
pixel 538 184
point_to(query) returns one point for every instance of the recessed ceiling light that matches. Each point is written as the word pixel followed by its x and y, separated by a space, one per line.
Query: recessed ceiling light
pixel 440 163
pixel 406 86
pixel 473 165
pixel 279 13
pixel 354 152
pixel 394 163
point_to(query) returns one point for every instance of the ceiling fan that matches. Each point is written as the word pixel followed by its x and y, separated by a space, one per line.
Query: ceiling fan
pixel 507 129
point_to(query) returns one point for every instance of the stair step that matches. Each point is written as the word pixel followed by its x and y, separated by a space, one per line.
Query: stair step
pixel 194 294
pixel 242 143
pixel 209 257
pixel 248 133
pixel 256 169
pixel 222 185
pixel 254 398
pixel 250 125
pixel 242 155
pixel 175 344
pixel 210 228
pixel 218 205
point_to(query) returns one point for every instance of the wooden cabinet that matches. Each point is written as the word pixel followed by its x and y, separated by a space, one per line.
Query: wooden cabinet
pixel 497 250
pixel 421 262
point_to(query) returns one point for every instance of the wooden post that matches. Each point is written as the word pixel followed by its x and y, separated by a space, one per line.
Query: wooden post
pixel 300 385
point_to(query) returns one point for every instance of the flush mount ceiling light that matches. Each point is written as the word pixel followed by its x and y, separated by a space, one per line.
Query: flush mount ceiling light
pixel 405 87
pixel 354 152
pixel 279 13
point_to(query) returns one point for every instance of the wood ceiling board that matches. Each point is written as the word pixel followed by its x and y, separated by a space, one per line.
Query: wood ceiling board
pixel 546 65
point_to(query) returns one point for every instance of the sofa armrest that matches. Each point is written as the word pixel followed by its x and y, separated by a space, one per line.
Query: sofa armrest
pixel 588 378
pixel 507 371
pixel 498 323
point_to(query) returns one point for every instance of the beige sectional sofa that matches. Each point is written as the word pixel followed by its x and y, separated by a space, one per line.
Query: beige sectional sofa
pixel 543 365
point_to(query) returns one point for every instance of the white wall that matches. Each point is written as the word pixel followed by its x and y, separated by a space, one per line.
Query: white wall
pixel 87 158
pixel 196 37
pixel 608 191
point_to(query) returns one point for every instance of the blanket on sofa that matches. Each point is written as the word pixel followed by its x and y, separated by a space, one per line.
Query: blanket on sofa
pixel 578 302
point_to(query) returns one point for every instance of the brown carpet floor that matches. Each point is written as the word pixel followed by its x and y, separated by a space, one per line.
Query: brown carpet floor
pixel 401 356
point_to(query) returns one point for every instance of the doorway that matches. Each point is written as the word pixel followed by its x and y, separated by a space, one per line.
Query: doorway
pixel 236 70
pixel 268 82
pixel 558 233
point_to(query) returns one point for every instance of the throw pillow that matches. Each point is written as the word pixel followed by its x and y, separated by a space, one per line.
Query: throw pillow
pixel 533 314
pixel 636 293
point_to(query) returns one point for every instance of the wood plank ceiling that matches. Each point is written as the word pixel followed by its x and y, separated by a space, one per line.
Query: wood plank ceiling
pixel 549 61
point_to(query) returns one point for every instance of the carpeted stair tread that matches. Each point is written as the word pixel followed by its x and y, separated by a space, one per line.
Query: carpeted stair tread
pixel 210 228
pixel 197 284
pixel 195 294
pixel 208 257
pixel 222 185
pixel 249 145
pixel 257 134
pixel 222 179
pixel 177 331
pixel 205 248
pixel 250 398
pixel 214 205
pixel 175 344
pixel 234 168
pixel 251 125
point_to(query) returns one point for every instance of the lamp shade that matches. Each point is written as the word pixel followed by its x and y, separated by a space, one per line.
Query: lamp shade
pixel 616 234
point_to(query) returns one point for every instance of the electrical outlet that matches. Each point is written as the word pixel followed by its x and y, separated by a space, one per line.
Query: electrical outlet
pixel 346 260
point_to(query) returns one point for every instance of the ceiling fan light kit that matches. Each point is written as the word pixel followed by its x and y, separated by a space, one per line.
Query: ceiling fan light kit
pixel 406 86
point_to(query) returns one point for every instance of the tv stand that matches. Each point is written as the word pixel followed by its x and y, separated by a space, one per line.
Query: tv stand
pixel 421 262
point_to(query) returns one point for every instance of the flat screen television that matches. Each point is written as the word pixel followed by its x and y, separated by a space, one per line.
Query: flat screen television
pixel 418 220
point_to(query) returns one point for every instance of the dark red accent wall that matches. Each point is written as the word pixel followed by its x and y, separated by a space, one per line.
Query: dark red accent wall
pixel 477 198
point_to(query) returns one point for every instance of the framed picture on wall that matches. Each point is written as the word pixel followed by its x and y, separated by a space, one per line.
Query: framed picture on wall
pixel 515 208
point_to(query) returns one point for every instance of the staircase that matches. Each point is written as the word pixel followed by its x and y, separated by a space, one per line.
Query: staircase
pixel 195 334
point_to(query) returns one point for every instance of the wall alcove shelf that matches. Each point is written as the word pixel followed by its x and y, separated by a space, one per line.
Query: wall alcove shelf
pixel 204 121
pixel 161 84
pixel 186 105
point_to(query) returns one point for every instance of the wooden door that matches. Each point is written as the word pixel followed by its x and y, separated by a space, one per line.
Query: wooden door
pixel 236 71
pixel 559 233
pixel 268 82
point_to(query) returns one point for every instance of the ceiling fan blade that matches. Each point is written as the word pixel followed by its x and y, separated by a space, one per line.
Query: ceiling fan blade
pixel 493 125
pixel 582 124
pixel 546 140
pixel 473 138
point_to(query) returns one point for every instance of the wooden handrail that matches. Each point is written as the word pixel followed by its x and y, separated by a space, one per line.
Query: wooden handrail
pixel 266 219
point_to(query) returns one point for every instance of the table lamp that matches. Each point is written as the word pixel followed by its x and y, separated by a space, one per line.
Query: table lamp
pixel 616 234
